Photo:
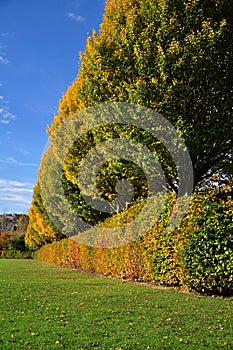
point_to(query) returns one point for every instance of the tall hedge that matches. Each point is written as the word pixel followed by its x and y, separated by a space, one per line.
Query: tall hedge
pixel 208 254
pixel 197 256
pixel 174 56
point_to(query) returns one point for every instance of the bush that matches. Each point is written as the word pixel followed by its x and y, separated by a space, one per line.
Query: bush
pixel 12 246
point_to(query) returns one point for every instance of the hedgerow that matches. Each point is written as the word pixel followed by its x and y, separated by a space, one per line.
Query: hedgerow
pixel 208 250
pixel 198 255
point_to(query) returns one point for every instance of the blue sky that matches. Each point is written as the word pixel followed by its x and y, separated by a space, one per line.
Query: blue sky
pixel 40 43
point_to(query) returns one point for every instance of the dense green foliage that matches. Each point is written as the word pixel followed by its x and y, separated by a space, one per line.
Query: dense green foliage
pixel 49 308
pixel 208 255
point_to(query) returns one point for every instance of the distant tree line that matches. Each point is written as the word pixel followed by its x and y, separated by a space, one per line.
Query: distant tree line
pixel 12 233
pixel 14 222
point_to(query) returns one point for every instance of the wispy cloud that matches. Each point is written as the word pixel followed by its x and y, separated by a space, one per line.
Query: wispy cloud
pixel 5 115
pixel 3 60
pixel 13 161
pixel 15 193
pixel 23 151
pixel 13 183
pixel 75 17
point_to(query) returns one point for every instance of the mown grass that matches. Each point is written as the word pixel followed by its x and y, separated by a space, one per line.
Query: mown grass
pixel 44 307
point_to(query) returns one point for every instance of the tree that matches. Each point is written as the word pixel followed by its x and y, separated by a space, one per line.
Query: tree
pixel 4 223
pixel 174 56
pixel 4 241
pixel 21 221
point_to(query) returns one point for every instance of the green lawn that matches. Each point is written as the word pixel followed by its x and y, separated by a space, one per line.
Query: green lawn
pixel 44 307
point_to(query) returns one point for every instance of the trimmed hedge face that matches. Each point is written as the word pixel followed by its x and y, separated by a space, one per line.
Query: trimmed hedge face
pixel 208 250
pixel 198 255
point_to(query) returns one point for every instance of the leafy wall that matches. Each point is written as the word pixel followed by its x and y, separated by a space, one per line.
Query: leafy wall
pixel 197 256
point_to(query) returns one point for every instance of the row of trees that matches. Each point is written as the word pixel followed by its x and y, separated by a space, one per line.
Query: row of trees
pixel 173 56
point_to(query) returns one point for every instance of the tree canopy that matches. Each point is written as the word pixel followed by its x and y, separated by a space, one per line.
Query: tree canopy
pixel 173 56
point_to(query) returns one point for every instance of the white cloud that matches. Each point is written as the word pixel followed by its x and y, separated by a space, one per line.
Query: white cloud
pixel 13 161
pixel 75 17
pixel 23 151
pixel 9 183
pixel 3 60
pixel 5 115
pixel 18 194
